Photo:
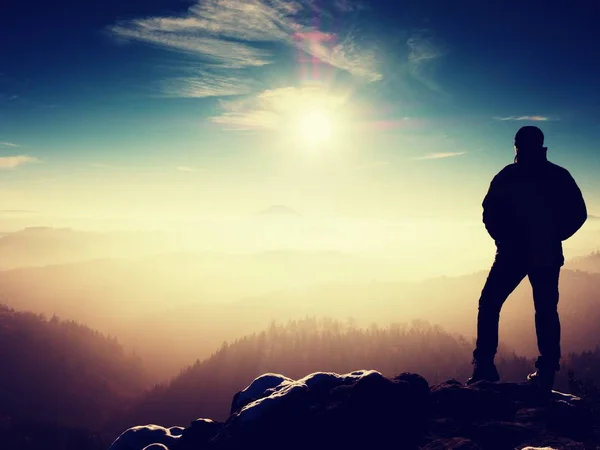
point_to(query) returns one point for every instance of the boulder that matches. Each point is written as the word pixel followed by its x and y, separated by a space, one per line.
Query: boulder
pixel 199 434
pixel 137 438
pixel 476 402
pixel 257 389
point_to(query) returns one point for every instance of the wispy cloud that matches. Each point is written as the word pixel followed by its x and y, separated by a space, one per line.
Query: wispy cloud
pixel 9 144
pixel 247 20
pixel 346 55
pixel 530 118
pixel 221 52
pixel 272 108
pixel 207 84
pixel 230 34
pixel 12 162
pixel 349 5
pixel 186 169
pixel 440 155
pixel 423 52
pixel 249 120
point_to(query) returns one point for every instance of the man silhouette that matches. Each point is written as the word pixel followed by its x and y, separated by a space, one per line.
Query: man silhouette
pixel 531 207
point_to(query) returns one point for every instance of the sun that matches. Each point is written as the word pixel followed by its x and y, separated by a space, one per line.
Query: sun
pixel 315 126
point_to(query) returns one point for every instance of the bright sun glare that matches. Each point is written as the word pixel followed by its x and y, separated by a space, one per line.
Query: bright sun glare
pixel 315 127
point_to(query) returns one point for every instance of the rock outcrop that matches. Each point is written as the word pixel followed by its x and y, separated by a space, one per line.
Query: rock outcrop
pixel 365 409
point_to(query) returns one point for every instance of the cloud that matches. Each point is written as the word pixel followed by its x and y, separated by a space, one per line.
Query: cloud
pixel 9 144
pixel 422 54
pixel 207 85
pixel 185 169
pixel 348 5
pixel 248 20
pixel 221 52
pixel 250 120
pixel 346 55
pixel 273 108
pixel 232 33
pixel 440 155
pixel 531 118
pixel 12 162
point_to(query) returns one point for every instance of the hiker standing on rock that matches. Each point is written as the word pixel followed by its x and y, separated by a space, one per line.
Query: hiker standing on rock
pixel 531 207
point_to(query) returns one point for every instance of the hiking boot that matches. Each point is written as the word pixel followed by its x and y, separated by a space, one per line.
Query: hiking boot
pixel 542 378
pixel 484 371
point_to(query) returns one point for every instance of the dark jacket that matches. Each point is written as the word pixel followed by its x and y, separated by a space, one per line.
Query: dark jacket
pixel 530 208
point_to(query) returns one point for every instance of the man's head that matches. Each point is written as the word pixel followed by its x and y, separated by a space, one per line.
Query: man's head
pixel 529 144
pixel 529 137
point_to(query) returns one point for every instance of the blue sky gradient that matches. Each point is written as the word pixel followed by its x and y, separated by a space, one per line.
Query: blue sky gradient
pixel 104 106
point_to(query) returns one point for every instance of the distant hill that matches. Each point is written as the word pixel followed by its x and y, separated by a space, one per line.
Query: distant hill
pixel 62 372
pixel 40 246
pixel 160 304
pixel 449 302
pixel 177 307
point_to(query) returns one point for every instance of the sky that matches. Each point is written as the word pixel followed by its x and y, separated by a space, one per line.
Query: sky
pixel 163 110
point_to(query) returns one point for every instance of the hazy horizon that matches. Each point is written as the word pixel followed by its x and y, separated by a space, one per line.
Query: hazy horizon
pixel 419 247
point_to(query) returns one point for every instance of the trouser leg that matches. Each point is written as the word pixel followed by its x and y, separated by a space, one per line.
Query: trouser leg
pixel 544 282
pixel 502 280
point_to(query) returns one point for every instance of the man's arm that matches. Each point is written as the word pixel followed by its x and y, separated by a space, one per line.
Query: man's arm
pixel 573 212
pixel 494 211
